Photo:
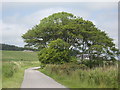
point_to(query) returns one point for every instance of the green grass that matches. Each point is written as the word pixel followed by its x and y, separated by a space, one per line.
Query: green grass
pixel 100 77
pixel 19 55
pixel 0 75
pixel 15 79
pixel 0 70
pixel 13 65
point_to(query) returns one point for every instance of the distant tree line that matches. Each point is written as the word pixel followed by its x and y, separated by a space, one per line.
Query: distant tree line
pixel 14 48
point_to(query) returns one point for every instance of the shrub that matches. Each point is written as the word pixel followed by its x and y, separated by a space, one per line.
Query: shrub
pixel 57 52
pixel 9 69
pixel 97 63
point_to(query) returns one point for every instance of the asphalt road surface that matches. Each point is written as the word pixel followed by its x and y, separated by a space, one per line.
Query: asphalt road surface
pixel 36 79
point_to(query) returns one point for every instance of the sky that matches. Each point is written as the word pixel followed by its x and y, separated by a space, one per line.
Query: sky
pixel 18 17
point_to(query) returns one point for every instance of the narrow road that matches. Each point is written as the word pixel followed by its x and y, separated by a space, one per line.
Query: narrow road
pixel 36 79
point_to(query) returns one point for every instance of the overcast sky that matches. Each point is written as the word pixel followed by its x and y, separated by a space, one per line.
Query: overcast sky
pixel 18 17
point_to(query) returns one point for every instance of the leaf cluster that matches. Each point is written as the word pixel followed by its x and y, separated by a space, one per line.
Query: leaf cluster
pixel 57 52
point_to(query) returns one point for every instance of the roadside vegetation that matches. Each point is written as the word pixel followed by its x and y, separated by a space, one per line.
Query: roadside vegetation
pixel 79 76
pixel 0 70
pixel 13 67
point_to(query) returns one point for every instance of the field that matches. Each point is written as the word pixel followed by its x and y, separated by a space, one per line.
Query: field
pixel 19 56
pixel 13 65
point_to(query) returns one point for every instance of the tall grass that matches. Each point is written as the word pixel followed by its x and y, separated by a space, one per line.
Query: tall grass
pixel 0 74
pixel 81 77
pixel 9 69
pixel 13 72
pixel 13 65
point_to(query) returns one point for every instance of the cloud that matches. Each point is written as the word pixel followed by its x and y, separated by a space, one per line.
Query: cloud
pixel 0 31
pixel 11 34
pixel 31 19
pixel 60 1
pixel 34 18
pixel 104 17
pixel 14 27
pixel 101 5
pixel 108 22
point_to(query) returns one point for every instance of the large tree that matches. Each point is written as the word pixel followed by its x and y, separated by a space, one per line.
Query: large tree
pixel 79 33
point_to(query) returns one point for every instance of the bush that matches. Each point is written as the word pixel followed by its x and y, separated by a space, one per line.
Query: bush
pixel 97 63
pixel 8 69
pixel 92 63
pixel 57 52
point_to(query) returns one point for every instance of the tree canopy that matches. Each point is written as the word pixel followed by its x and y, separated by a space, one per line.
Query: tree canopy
pixel 56 52
pixel 77 32
pixel 14 48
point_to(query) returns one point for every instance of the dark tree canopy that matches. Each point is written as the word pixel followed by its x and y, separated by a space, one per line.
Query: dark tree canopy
pixel 14 48
pixel 10 47
pixel 77 32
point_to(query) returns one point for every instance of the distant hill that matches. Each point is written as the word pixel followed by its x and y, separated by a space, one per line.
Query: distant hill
pixel 14 48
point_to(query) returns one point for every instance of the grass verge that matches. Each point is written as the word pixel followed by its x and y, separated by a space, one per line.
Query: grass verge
pixel 14 64
pixel 100 77
pixel 13 76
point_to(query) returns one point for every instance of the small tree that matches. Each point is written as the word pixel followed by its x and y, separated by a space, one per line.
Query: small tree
pixel 57 52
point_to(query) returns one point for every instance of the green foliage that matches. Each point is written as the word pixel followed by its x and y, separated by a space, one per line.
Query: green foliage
pixel 56 52
pixel 10 47
pixel 9 69
pixel 59 44
pixel 79 76
pixel 79 33
pixel 93 63
pixel 13 67
pixel 99 62
pixel 74 59
pixel 14 48
pixel 13 72
pixel 63 69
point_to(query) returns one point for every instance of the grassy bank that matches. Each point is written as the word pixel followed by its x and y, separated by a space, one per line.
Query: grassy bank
pixel 13 65
pixel 80 77
pixel 13 72
pixel 0 74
